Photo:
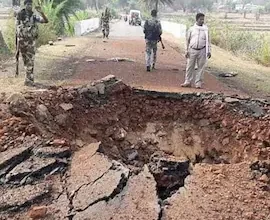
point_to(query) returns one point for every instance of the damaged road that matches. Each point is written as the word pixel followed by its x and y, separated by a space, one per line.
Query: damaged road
pixel 107 151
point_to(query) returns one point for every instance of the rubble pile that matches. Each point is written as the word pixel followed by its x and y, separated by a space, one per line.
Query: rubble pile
pixel 107 151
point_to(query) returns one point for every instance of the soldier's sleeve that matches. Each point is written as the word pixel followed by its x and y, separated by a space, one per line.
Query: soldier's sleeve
pixel 160 27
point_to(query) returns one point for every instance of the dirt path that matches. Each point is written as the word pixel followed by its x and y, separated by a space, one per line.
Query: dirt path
pixel 65 63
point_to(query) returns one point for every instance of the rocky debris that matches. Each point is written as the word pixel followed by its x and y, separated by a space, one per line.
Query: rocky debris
pixel 138 201
pixel 118 59
pixel 169 173
pixel 38 212
pixel 120 134
pixel 24 196
pixel 264 178
pixel 132 155
pixel 43 113
pixel 231 100
pixel 204 122
pixel 100 88
pixel 17 103
pixel 51 43
pixel 260 170
pixel 58 152
pixel 66 106
pixel 254 109
pixel 34 167
pixel 61 119
pixel 90 60
pixel 231 74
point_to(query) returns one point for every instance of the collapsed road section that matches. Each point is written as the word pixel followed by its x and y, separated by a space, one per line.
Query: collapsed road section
pixel 107 151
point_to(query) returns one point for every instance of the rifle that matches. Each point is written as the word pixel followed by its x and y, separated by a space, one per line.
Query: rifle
pixel 17 57
pixel 163 46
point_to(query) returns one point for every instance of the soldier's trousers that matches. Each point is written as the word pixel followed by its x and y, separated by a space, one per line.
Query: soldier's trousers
pixel 151 52
pixel 27 49
pixel 106 30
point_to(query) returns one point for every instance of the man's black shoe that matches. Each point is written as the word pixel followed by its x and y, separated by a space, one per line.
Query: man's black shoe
pixel 148 68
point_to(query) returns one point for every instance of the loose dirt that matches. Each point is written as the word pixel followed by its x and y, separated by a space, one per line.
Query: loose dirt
pixel 107 151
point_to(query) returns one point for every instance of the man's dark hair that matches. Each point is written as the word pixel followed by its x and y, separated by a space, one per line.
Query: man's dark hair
pixel 28 1
pixel 154 13
pixel 199 15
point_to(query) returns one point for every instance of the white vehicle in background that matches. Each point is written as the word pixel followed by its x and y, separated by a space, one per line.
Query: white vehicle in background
pixel 134 17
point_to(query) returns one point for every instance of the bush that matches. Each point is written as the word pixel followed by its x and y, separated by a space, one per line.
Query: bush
pixel 9 34
pixel 78 16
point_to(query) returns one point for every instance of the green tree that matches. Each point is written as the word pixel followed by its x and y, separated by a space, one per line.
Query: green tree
pixel 156 3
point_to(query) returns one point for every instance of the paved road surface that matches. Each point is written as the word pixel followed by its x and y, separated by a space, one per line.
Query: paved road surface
pixel 69 64
pixel 128 41
pixel 123 29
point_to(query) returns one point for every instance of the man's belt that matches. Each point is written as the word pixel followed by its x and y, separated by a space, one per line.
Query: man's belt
pixel 197 48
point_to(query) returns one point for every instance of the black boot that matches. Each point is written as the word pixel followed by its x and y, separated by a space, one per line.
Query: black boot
pixel 148 68
pixel 153 66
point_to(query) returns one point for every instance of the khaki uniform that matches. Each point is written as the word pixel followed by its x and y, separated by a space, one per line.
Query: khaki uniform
pixel 199 45
pixel 105 25
pixel 27 33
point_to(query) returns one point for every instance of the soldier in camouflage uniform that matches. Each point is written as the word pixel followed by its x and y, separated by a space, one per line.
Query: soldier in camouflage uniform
pixel 105 23
pixel 153 32
pixel 27 33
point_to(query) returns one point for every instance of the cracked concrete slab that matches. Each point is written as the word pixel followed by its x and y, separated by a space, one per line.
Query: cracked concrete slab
pixel 104 188
pixel 16 198
pixel 11 158
pixel 34 166
pixel 60 207
pixel 138 201
pixel 62 152
pixel 87 165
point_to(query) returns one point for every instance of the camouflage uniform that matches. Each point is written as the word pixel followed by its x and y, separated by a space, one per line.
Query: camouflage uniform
pixel 105 25
pixel 27 33
pixel 153 32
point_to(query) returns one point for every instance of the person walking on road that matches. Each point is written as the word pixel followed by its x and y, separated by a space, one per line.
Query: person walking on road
pixel 198 51
pixel 105 23
pixel 27 33
pixel 153 32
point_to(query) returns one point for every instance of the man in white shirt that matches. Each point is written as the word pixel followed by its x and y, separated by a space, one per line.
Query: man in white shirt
pixel 198 51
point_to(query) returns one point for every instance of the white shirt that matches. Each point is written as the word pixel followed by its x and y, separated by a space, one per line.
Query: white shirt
pixel 197 37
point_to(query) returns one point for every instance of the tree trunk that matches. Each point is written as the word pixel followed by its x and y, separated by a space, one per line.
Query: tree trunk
pixel 97 5
pixel 156 6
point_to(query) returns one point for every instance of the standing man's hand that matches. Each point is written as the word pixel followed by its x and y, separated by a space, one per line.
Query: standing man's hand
pixel 209 55
pixel 38 9
pixel 187 55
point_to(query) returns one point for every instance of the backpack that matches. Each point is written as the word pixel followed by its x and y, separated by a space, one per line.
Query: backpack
pixel 152 30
